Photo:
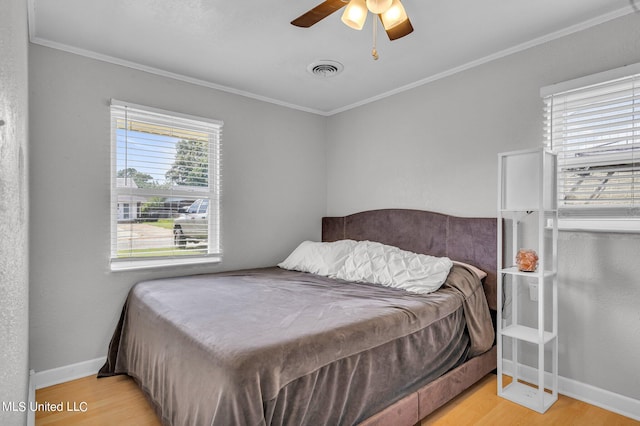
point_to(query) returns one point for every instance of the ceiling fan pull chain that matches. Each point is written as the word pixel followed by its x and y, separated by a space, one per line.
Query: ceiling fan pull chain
pixel 374 51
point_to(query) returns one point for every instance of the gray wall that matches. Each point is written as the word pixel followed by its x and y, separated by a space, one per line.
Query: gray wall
pixel 435 147
pixel 14 283
pixel 274 192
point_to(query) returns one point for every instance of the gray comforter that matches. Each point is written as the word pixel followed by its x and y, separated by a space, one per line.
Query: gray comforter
pixel 271 346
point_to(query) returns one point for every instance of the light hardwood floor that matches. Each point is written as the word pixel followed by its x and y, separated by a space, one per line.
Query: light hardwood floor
pixel 480 405
pixel 109 401
pixel 119 401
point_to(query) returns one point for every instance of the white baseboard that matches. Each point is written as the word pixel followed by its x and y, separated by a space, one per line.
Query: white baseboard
pixel 31 415
pixel 67 373
pixel 56 376
pixel 605 399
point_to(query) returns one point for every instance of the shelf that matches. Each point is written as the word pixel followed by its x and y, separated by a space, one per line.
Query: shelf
pixel 528 217
pixel 528 396
pixel 528 210
pixel 527 334
pixel 513 270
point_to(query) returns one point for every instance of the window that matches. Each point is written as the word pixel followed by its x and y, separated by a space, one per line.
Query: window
pixel 165 188
pixel 593 124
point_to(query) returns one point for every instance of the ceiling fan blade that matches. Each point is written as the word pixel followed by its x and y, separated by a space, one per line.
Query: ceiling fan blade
pixel 318 13
pixel 402 29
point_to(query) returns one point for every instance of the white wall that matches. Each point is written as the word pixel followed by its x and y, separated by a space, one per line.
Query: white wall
pixel 14 284
pixel 435 147
pixel 274 192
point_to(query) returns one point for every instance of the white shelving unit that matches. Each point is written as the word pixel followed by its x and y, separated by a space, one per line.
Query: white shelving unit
pixel 528 301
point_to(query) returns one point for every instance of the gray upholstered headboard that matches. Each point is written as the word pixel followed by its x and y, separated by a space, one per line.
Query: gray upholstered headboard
pixel 470 240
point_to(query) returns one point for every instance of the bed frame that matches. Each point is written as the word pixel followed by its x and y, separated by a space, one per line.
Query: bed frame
pixel 470 240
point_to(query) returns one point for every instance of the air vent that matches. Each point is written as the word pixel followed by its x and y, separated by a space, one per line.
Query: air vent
pixel 325 69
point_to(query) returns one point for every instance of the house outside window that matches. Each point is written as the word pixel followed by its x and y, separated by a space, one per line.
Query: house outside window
pixel 128 206
pixel 165 188
pixel 593 124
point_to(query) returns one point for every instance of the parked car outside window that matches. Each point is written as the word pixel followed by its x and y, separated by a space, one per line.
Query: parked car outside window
pixel 193 225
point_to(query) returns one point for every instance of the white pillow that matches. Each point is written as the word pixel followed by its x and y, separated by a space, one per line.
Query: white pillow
pixel 392 267
pixel 318 257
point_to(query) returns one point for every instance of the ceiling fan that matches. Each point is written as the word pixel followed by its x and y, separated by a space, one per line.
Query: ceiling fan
pixel 391 13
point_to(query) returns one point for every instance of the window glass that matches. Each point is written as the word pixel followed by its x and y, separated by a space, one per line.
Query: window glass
pixel 164 166
pixel 595 130
pixel 193 209
pixel 204 206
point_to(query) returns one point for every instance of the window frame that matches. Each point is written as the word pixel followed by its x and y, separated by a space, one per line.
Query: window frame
pixel 212 191
pixel 609 218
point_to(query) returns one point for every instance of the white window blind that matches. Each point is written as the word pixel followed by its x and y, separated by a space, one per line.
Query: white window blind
pixel 595 130
pixel 165 191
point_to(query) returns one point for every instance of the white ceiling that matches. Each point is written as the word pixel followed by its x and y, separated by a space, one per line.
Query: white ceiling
pixel 250 47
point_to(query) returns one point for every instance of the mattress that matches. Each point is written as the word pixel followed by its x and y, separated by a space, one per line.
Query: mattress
pixel 271 346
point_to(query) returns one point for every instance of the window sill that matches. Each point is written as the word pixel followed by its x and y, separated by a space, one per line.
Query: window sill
pixel 628 225
pixel 137 264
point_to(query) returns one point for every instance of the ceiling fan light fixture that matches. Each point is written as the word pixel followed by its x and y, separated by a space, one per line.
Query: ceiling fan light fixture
pixel 394 16
pixel 379 6
pixel 355 14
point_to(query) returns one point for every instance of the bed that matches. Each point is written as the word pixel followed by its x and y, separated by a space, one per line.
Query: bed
pixel 277 346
